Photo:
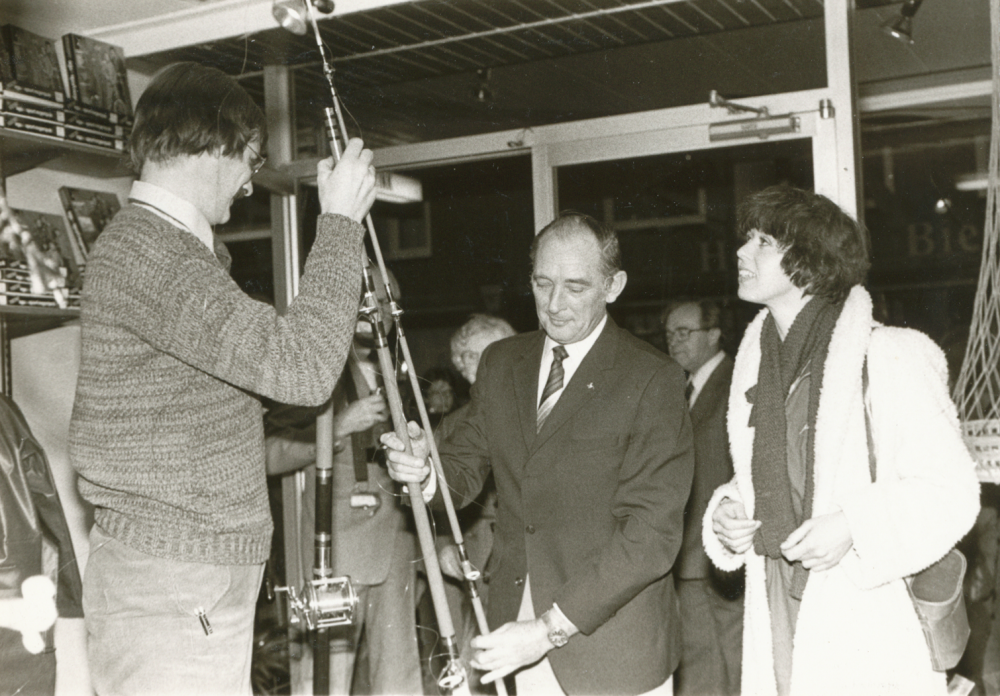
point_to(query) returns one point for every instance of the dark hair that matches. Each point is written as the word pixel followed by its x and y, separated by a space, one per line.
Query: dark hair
pixel 459 387
pixel 711 312
pixel 826 251
pixel 189 109
pixel 571 221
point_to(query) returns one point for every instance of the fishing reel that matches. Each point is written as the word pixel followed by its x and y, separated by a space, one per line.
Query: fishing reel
pixel 323 603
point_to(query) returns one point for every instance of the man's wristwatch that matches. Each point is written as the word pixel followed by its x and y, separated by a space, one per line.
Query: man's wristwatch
pixel 557 636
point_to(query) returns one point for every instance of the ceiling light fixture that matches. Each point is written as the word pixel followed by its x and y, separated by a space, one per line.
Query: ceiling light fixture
pixel 293 16
pixel 901 27
pixel 978 181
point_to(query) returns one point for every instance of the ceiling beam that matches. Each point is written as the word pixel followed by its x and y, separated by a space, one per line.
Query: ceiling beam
pixel 205 23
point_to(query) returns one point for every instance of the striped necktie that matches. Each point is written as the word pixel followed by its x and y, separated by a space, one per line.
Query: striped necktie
pixel 554 384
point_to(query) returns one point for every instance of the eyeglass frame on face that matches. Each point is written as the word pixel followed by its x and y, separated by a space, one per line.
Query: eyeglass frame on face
pixel 261 161
pixel 683 333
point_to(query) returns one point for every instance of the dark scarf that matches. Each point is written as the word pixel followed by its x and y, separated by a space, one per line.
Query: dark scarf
pixel 781 363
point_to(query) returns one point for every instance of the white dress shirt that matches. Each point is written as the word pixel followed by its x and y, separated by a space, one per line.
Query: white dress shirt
pixel 576 353
pixel 174 209
pixel 702 374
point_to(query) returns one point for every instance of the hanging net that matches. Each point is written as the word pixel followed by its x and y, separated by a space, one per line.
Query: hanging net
pixel 977 391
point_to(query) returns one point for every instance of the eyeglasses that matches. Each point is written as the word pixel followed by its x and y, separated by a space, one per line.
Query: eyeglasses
pixel 257 163
pixel 682 333
pixel 470 356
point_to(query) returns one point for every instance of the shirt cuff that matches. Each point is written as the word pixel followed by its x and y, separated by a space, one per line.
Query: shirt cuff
pixel 560 621
pixel 428 487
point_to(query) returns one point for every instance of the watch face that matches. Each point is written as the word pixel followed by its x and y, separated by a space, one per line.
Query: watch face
pixel 558 638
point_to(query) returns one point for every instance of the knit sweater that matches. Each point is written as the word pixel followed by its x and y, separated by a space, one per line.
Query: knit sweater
pixel 167 427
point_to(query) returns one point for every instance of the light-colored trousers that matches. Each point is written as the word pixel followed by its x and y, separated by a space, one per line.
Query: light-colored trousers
pixel 539 679
pixel 144 634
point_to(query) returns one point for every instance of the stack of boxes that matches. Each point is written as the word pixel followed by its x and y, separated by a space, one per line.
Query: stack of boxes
pixel 96 109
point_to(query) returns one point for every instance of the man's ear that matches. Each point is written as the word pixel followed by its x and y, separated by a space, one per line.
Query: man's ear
pixel 715 336
pixel 615 286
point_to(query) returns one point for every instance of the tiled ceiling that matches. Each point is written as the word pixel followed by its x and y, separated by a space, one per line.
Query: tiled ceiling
pixel 429 38
pixel 409 72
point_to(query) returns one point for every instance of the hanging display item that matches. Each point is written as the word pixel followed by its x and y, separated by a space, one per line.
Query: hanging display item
pixel 977 391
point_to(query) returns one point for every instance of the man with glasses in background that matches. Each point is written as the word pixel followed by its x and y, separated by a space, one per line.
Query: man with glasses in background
pixel 711 601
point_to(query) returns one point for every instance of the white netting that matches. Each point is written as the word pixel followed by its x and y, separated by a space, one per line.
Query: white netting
pixel 977 391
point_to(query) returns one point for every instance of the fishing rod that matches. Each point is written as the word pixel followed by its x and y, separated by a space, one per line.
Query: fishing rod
pixel 453 677
pixel 326 601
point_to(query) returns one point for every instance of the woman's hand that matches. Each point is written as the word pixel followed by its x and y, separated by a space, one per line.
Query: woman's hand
pixel 819 543
pixel 731 524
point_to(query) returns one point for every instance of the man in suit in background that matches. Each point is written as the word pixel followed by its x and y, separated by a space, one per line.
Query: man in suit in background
pixel 372 542
pixel 588 437
pixel 711 603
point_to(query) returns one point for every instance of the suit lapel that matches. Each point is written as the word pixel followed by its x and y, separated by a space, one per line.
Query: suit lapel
pixel 587 381
pixel 525 378
pixel 713 390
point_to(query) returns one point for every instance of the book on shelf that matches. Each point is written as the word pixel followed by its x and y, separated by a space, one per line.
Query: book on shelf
pixel 15 270
pixel 85 135
pixel 105 126
pixel 29 124
pixel 58 130
pixel 87 212
pixel 98 81
pixel 11 298
pixel 50 235
pixel 22 289
pixel 10 104
pixel 29 64
pixel 18 105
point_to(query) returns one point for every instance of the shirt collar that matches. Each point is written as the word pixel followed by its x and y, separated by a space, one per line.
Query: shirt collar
pixel 578 351
pixel 575 352
pixel 702 374
pixel 172 208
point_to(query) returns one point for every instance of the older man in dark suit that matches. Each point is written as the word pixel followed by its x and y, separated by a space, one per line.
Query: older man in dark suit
pixel 587 434
pixel 711 602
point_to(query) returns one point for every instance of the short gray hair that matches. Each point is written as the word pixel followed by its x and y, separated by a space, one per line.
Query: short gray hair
pixel 570 222
pixel 479 324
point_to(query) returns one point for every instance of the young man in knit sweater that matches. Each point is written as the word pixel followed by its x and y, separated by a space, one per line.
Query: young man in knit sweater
pixel 167 432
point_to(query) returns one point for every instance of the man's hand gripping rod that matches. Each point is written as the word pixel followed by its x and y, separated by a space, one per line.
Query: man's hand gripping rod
pixel 453 677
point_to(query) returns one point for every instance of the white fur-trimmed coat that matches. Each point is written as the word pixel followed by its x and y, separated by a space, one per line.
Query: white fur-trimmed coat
pixel 857 632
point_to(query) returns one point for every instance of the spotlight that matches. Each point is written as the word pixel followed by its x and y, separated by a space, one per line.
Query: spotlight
pixel 902 26
pixel 293 15
pixel 942 206
pixel 290 15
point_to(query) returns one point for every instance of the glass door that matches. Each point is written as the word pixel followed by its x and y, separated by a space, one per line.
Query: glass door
pixel 671 191
pixel 675 215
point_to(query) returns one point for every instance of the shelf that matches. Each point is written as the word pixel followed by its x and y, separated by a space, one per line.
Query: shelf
pixel 21 151
pixel 23 321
